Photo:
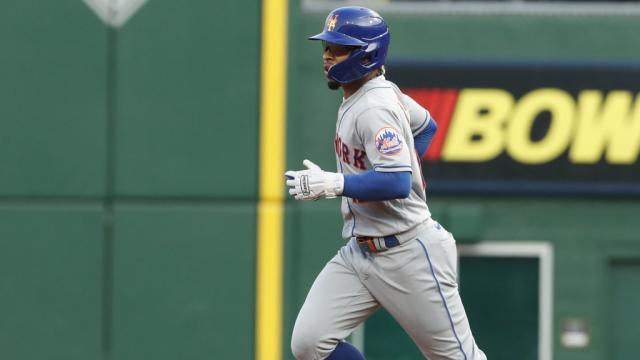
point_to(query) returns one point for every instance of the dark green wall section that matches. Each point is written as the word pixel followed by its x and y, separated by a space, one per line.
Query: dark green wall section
pixel 577 38
pixel 128 184
pixel 187 100
pixel 53 91
pixel 51 282
pixel 183 282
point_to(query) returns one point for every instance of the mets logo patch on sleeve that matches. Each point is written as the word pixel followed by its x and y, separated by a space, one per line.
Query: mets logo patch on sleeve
pixel 388 141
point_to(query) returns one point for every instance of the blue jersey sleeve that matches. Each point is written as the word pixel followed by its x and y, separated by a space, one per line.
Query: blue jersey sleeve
pixel 375 185
pixel 422 140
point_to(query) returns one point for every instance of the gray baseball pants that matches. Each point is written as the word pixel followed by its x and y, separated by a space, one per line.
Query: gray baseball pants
pixel 415 282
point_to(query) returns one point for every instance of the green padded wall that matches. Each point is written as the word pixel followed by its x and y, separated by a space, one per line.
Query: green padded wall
pixel 185 148
pixel 520 37
pixel 129 180
pixel 52 145
pixel 51 282
pixel 183 281
pixel 53 91
pixel 187 100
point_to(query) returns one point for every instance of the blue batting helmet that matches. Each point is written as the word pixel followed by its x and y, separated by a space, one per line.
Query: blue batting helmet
pixel 362 28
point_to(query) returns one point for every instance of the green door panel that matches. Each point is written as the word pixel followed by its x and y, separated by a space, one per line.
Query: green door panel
pixel 624 319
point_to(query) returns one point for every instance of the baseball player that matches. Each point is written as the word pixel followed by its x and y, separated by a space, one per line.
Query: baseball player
pixel 396 256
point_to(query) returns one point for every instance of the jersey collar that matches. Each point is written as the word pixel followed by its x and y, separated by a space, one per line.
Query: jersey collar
pixel 375 82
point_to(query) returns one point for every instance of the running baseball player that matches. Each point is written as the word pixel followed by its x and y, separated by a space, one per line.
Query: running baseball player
pixel 396 256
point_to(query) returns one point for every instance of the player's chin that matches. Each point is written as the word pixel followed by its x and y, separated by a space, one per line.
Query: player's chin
pixel 332 84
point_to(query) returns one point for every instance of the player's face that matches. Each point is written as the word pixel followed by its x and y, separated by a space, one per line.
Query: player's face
pixel 333 54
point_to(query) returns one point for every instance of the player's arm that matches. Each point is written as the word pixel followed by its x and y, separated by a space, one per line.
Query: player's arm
pixel 385 147
pixel 314 183
pixel 423 125
pixel 382 134
pixel 377 185
pixel 423 139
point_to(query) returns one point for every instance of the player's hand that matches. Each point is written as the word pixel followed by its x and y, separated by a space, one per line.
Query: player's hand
pixel 314 183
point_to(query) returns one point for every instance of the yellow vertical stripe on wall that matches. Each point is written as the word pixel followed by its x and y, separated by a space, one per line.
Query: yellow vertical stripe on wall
pixel 269 279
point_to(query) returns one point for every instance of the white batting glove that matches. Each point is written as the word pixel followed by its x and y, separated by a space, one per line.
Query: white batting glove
pixel 314 183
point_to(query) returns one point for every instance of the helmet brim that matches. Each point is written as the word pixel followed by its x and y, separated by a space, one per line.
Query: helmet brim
pixel 338 38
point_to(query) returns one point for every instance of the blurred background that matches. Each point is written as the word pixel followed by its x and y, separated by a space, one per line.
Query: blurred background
pixel 130 185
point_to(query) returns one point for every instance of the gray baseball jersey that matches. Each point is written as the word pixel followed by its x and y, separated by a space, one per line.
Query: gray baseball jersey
pixel 374 131
pixel 415 280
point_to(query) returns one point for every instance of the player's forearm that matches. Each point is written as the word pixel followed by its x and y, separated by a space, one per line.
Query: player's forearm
pixel 377 186
pixel 422 140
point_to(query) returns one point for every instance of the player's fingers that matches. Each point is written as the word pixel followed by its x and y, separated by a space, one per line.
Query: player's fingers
pixel 310 165
pixel 293 191
pixel 290 174
pixel 291 182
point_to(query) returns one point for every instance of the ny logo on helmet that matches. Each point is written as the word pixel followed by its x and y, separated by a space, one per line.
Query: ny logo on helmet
pixel 332 22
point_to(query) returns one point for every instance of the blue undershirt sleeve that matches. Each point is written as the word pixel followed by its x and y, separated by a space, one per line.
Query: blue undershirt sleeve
pixel 422 140
pixel 375 185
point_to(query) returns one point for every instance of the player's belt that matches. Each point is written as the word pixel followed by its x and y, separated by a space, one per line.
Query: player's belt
pixel 377 244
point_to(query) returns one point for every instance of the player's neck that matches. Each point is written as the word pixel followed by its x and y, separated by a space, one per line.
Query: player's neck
pixel 351 88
